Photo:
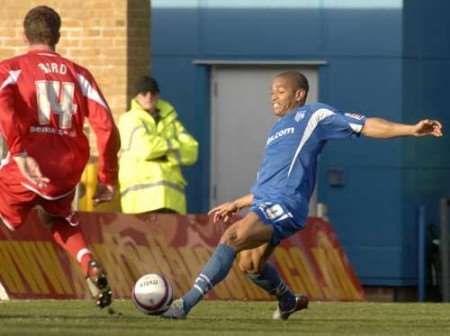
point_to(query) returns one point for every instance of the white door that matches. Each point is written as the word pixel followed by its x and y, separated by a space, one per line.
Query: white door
pixel 241 118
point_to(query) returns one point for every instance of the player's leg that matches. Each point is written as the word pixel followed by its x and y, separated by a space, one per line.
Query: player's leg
pixel 15 201
pixel 254 263
pixel 68 236
pixel 247 233
pixel 63 223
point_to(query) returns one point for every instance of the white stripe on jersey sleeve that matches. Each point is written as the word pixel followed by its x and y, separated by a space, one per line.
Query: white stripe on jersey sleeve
pixel 356 127
pixel 89 91
pixel 12 78
pixel 315 119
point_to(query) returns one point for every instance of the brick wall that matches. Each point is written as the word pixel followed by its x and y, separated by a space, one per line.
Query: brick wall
pixel 110 38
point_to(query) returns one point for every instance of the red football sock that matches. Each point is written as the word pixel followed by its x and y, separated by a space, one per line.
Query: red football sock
pixel 71 239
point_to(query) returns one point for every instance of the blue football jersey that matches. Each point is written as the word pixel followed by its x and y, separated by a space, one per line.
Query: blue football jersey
pixel 288 170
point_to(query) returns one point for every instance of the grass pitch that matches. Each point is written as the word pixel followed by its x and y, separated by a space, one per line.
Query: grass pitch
pixel 66 318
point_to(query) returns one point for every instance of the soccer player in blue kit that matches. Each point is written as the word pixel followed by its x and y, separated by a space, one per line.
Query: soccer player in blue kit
pixel 279 199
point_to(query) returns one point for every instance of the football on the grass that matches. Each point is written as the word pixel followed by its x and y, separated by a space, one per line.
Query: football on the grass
pixel 152 294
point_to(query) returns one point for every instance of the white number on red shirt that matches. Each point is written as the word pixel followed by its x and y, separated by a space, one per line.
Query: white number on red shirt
pixel 56 97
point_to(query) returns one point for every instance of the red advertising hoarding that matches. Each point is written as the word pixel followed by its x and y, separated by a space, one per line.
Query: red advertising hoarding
pixel 32 266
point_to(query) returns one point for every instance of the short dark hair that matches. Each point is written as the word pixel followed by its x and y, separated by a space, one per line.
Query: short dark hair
pixel 41 25
pixel 298 79
pixel 146 84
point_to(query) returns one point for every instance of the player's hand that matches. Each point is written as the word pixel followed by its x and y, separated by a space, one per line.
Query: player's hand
pixel 428 127
pixel 29 168
pixel 224 212
pixel 103 193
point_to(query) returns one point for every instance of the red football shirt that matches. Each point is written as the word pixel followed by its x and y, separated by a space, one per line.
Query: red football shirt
pixel 44 99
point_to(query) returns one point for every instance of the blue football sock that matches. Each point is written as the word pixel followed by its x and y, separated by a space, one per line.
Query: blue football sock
pixel 215 270
pixel 269 280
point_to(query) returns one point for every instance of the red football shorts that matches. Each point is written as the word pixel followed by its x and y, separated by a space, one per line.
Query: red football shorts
pixel 16 202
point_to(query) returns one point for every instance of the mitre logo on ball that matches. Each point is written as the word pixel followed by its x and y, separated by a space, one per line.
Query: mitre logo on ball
pixel 152 294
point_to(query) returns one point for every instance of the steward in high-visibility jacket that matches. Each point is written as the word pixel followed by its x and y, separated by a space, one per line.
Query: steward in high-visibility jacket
pixel 154 146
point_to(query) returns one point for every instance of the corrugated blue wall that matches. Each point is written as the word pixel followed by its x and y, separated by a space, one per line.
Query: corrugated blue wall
pixel 426 82
pixel 373 68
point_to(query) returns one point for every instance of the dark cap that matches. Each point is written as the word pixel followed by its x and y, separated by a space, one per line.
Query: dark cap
pixel 146 84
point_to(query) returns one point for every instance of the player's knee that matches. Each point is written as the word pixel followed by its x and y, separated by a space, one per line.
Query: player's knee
pixel 229 238
pixel 235 238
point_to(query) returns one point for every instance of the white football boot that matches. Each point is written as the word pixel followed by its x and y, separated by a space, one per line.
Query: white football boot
pixel 175 311
pixel 98 284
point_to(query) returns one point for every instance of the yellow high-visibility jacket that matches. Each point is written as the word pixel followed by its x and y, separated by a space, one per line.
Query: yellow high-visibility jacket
pixel 150 176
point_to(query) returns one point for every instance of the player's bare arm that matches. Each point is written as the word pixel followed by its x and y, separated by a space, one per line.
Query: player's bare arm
pixel 224 211
pixel 381 128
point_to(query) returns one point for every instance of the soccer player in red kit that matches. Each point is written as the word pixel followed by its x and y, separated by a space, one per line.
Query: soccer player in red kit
pixel 44 100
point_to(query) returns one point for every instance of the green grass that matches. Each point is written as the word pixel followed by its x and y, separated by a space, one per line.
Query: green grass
pixel 66 318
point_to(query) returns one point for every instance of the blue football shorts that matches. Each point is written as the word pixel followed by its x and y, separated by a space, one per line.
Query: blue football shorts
pixel 278 215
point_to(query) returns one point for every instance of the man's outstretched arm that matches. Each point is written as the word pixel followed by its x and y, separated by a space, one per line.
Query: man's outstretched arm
pixel 381 128
pixel 226 210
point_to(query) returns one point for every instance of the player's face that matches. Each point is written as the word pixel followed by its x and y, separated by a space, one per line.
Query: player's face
pixel 285 96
